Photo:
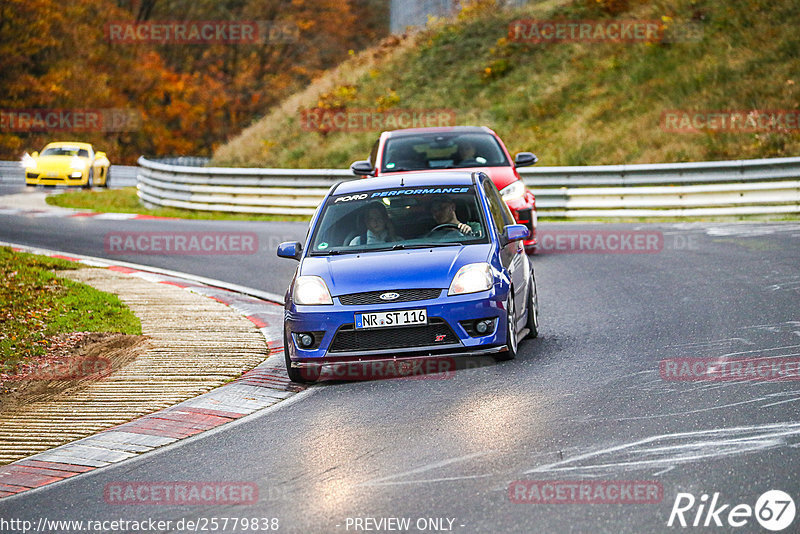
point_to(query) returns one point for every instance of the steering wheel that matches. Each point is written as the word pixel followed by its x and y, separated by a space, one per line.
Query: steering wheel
pixel 445 226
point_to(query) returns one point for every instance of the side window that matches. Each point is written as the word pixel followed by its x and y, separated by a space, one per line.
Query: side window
pixel 83 153
pixel 499 210
pixel 373 154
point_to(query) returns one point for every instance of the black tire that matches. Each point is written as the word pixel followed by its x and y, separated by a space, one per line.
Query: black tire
pixel 512 345
pixel 89 180
pixel 533 310
pixel 301 376
pixel 108 177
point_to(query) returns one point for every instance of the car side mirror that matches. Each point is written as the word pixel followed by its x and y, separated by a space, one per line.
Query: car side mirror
pixel 35 154
pixel 523 159
pixel 290 249
pixel 514 232
pixel 362 168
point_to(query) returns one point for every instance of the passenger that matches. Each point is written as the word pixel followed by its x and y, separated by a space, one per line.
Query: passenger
pixel 379 227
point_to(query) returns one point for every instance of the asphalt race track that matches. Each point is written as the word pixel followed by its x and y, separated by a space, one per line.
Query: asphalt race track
pixel 587 402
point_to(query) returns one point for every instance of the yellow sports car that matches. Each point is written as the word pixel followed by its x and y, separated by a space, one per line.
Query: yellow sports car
pixel 67 163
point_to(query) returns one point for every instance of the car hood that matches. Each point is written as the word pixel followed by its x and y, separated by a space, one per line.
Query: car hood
pixel 58 162
pixel 501 176
pixel 396 269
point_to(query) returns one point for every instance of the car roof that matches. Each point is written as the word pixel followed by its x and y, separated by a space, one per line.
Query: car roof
pixel 69 143
pixel 410 179
pixel 445 129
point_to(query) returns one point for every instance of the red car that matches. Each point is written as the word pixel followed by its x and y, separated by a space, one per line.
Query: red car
pixel 459 147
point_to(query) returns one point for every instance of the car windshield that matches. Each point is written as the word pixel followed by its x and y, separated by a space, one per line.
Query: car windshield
pixel 442 151
pixel 64 151
pixel 399 218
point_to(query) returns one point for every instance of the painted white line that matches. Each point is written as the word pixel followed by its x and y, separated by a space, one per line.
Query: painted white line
pixel 427 467
pixel 714 443
pixel 781 402
pixel 427 480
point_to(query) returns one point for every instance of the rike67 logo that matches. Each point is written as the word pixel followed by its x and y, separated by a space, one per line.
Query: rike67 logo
pixel 774 510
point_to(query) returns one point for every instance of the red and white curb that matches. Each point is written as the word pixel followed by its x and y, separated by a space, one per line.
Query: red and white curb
pixel 257 389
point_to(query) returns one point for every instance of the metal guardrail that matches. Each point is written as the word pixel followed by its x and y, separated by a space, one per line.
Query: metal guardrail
pixel 11 172
pixel 742 187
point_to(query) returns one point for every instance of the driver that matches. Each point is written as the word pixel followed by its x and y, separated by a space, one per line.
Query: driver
pixel 466 150
pixel 467 154
pixel 443 210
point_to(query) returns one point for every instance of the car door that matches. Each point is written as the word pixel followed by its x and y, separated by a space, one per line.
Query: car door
pixel 512 255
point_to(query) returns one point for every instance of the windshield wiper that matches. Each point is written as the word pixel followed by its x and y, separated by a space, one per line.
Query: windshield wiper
pixel 332 252
pixel 405 246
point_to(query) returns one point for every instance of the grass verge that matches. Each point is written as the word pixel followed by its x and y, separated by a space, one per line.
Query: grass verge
pixel 35 304
pixel 125 200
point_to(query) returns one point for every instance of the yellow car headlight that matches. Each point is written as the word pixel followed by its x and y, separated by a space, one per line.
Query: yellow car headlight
pixel 77 164
pixel 28 162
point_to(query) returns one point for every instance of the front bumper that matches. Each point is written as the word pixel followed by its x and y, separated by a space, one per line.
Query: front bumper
pixel 54 178
pixel 449 320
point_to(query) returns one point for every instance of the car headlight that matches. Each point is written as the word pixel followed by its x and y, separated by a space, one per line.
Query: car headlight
pixel 77 164
pixel 28 162
pixel 513 190
pixel 471 278
pixel 311 290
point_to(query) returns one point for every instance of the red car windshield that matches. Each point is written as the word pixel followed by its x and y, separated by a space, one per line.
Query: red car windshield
pixel 442 151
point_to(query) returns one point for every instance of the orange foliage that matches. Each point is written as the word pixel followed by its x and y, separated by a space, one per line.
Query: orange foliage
pixel 189 97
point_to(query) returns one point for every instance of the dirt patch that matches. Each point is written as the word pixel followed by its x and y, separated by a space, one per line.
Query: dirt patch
pixel 73 362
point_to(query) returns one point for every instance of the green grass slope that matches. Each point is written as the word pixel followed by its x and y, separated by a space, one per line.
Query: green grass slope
pixel 571 103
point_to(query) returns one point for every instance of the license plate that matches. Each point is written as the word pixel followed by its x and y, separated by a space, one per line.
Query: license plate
pixel 392 318
pixel 52 174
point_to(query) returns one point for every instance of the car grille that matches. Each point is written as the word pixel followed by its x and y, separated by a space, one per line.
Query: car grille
pixel 374 297
pixel 348 339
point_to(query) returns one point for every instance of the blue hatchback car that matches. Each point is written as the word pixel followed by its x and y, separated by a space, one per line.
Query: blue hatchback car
pixel 406 267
